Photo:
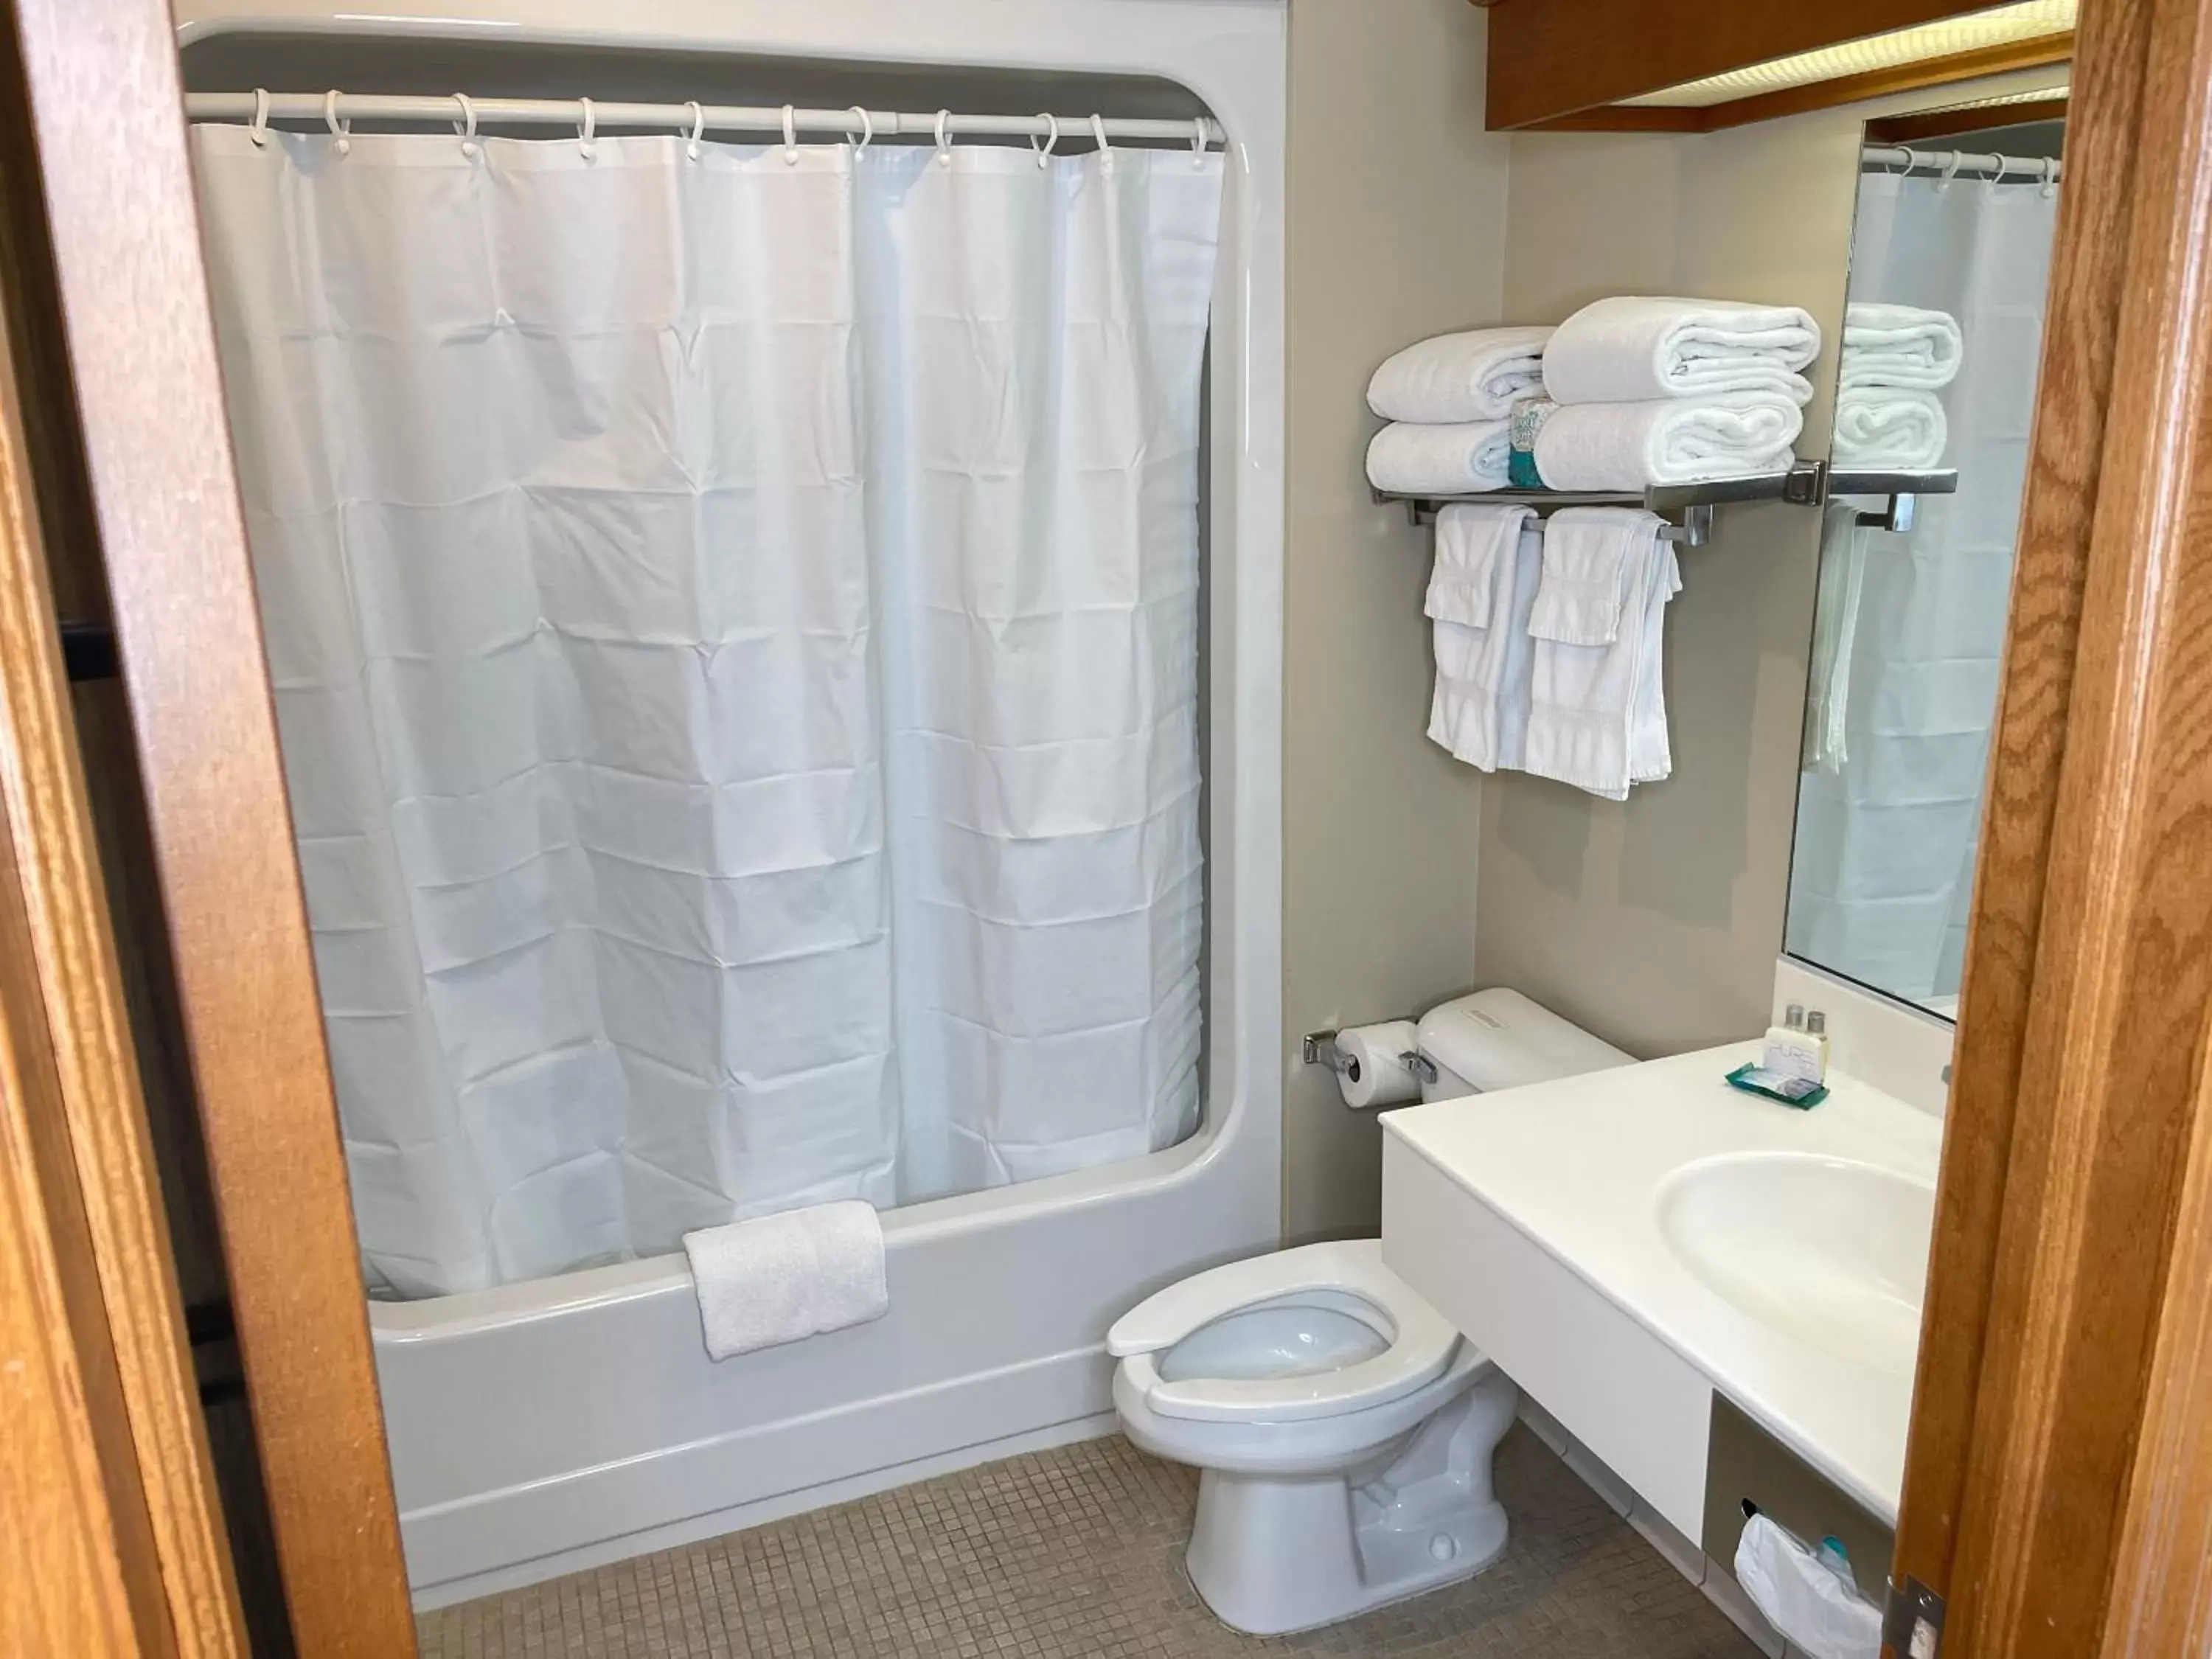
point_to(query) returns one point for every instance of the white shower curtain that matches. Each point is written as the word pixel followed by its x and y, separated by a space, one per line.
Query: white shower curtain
pixel 1882 873
pixel 733 623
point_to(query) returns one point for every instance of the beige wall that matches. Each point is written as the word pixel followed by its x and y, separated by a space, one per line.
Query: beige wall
pixel 1655 921
pixel 1397 203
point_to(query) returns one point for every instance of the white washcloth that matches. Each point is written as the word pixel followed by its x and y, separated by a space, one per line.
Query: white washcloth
pixel 782 1278
pixel 1900 345
pixel 1588 553
pixel 1454 378
pixel 1888 428
pixel 1597 714
pixel 1441 461
pixel 1474 544
pixel 1479 708
pixel 1835 638
pixel 1670 440
pixel 1628 349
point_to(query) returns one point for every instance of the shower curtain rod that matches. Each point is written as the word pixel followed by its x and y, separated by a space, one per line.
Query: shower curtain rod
pixel 1962 164
pixel 852 123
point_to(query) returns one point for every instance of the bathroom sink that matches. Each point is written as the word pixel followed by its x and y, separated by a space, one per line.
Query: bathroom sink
pixel 1831 1252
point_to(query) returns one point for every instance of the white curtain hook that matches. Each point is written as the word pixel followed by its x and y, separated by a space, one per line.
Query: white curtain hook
pixel 1998 176
pixel 1912 160
pixel 945 138
pixel 259 131
pixel 1051 139
pixel 1105 149
pixel 698 126
pixel 868 126
pixel 1197 142
pixel 1951 169
pixel 585 128
pixel 790 136
pixel 2050 176
pixel 466 126
pixel 338 129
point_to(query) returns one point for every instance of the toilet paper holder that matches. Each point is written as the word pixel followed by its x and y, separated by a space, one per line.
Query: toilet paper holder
pixel 1319 1049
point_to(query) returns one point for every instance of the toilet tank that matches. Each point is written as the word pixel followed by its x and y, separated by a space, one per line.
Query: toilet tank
pixel 1498 1039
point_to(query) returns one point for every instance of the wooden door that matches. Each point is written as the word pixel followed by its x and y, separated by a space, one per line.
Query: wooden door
pixel 2057 1487
pixel 104 230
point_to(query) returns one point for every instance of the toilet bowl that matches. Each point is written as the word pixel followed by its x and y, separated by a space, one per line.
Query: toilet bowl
pixel 1343 1430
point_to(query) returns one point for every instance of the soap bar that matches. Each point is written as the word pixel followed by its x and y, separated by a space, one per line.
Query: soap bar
pixel 1799 1091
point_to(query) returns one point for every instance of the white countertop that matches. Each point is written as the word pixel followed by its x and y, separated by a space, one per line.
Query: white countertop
pixel 1575 1166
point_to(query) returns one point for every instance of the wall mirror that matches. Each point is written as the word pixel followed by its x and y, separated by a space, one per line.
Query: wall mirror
pixel 1936 368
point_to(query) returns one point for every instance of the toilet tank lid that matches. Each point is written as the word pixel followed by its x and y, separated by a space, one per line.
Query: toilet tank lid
pixel 1498 1039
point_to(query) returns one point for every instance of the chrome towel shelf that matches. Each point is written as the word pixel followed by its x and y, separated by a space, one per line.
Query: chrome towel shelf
pixel 1809 483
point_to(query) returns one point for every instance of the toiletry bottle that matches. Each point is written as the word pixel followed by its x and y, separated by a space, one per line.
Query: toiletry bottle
pixel 1816 1042
pixel 1785 1044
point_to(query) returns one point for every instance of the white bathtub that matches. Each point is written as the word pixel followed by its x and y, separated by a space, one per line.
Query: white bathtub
pixel 539 1428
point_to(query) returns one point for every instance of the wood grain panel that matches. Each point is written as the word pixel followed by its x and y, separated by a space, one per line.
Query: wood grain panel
pixel 106 107
pixel 2161 1599
pixel 2105 1090
pixel 2088 276
pixel 1923 125
pixel 101 1111
pixel 1553 58
pixel 77 1582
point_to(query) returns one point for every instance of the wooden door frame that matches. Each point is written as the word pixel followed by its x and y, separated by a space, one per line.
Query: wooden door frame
pixel 99 83
pixel 2066 1315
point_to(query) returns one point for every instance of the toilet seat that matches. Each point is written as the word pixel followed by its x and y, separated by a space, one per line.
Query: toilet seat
pixel 1422 1342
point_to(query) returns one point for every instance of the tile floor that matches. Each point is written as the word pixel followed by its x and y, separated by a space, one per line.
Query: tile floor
pixel 1077 1553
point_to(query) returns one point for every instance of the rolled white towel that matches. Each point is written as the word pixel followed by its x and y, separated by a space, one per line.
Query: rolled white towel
pixel 1899 346
pixel 1890 429
pixel 1669 440
pixel 1628 349
pixel 1454 378
pixel 1443 460
pixel 786 1277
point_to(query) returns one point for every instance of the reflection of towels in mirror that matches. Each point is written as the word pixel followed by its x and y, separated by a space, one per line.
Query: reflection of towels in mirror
pixel 1835 631
pixel 1889 429
pixel 1900 345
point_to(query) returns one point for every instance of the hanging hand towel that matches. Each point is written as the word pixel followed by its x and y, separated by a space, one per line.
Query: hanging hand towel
pixel 1456 378
pixel 1687 440
pixel 1835 638
pixel 1440 460
pixel 1588 554
pixel 1473 545
pixel 786 1277
pixel 1597 716
pixel 1479 708
pixel 1884 428
pixel 1900 345
pixel 1628 349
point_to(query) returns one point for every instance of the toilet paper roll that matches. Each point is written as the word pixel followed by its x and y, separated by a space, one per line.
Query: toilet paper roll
pixel 1376 1076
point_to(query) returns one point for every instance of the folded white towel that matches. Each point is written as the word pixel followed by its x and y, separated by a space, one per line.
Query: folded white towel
pixel 1588 553
pixel 1597 714
pixel 1472 545
pixel 1671 440
pixel 1479 708
pixel 782 1278
pixel 1441 461
pixel 1835 638
pixel 1628 349
pixel 1454 378
pixel 1900 345
pixel 1889 429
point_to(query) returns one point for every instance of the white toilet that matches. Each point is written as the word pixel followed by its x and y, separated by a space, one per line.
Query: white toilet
pixel 1344 1429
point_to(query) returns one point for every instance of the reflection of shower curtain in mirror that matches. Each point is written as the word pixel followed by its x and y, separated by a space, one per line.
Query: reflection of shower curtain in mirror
pixel 1882 876
pixel 735 631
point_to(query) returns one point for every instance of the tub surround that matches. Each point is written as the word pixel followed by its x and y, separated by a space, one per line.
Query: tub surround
pixel 1556 1191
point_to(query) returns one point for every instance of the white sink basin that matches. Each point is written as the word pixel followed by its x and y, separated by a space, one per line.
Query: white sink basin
pixel 1831 1252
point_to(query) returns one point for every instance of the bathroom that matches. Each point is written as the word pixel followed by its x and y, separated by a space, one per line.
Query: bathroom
pixel 1044 1063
